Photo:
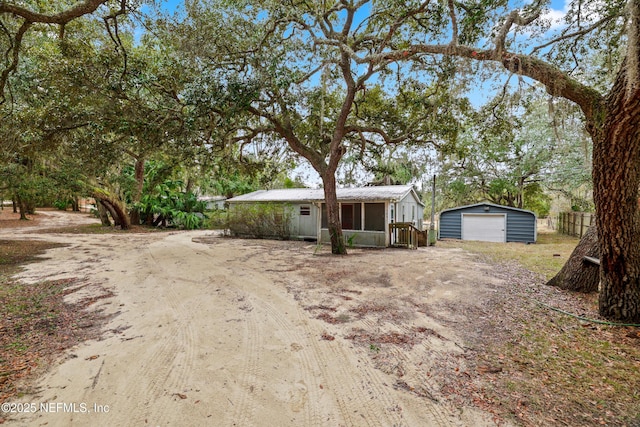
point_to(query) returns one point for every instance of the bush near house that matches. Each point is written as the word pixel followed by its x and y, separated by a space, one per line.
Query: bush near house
pixel 260 220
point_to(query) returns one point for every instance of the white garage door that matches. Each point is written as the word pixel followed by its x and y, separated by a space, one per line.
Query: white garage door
pixel 484 227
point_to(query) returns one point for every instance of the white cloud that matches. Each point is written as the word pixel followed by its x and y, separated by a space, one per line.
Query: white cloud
pixel 556 16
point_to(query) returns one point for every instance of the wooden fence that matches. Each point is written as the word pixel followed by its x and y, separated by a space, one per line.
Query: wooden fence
pixel 575 223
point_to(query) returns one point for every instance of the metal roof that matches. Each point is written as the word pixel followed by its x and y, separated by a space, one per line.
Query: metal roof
pixel 385 192
pixel 487 204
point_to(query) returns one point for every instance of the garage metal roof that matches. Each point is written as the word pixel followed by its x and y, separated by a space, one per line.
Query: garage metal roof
pixel 386 192
pixel 487 204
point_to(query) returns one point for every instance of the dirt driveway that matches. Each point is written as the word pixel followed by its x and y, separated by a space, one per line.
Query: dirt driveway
pixel 225 332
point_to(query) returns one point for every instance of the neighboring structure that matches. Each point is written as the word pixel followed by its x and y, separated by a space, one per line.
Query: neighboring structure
pixel 365 212
pixel 213 202
pixel 489 223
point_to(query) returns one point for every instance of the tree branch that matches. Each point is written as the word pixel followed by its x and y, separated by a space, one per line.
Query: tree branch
pixel 556 82
pixel 285 131
pixel 515 18
pixel 575 34
pixel 83 8
pixel 29 18
pixel 17 42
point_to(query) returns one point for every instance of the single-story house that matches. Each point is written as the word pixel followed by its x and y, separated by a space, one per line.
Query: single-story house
pixel 365 212
pixel 489 223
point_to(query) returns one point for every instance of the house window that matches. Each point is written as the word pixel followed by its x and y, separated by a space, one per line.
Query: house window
pixel 305 210
pixel 374 216
pixel 413 213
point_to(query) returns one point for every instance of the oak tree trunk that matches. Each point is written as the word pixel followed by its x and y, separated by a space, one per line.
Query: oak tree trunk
pixel 137 194
pixel 103 214
pixel 115 207
pixel 114 214
pixel 577 274
pixel 616 177
pixel 23 208
pixel 334 224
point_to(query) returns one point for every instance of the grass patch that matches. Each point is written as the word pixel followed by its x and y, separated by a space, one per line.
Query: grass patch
pixel 36 324
pixel 550 369
pixel 14 252
pixel 546 257
pixel 101 229
pixel 571 373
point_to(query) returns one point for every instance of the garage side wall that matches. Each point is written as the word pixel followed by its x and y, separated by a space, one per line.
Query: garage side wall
pixel 451 225
pixel 521 225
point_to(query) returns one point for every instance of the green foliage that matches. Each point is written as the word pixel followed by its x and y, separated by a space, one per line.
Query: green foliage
pixel 165 201
pixel 170 206
pixel 536 200
pixel 260 220
pixel 516 156
pixel 216 220
pixel 28 182
pixel 292 183
pixel 61 205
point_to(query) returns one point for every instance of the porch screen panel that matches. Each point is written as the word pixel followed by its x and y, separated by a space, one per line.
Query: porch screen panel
pixel 357 216
pixel 374 216
pixel 325 218
pixel 346 213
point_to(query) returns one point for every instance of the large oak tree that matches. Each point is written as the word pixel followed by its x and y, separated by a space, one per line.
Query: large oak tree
pixel 293 70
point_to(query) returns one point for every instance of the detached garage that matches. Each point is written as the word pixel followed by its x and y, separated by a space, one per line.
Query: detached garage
pixel 488 223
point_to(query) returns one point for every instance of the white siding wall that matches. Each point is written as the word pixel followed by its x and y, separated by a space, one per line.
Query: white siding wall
pixel 409 210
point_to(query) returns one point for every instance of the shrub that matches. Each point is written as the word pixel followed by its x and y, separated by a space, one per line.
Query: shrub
pixel 216 219
pixel 61 205
pixel 260 220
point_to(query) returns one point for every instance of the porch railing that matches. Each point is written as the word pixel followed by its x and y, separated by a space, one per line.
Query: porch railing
pixel 403 234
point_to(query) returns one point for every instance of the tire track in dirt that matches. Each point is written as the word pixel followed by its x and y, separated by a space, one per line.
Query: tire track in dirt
pixel 184 310
pixel 387 409
pixel 260 320
pixel 361 398
pixel 244 398
pixel 415 380
pixel 305 390
pixel 166 365
pixel 250 373
pixel 241 334
pixel 334 384
pixel 152 368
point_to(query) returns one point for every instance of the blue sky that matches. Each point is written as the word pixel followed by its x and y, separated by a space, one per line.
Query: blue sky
pixel 558 6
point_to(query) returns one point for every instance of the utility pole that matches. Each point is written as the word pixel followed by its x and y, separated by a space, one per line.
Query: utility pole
pixel 432 229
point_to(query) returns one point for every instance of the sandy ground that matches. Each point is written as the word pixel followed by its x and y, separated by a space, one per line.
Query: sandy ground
pixel 228 332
